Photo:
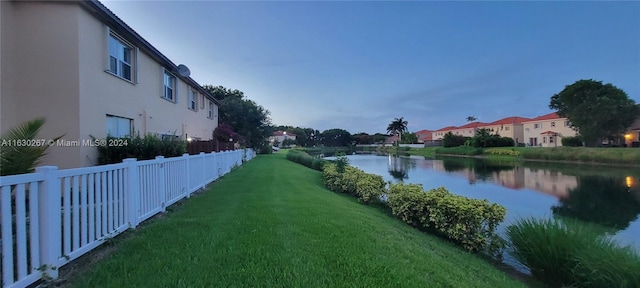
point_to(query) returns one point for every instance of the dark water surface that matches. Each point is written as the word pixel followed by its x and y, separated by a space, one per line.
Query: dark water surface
pixel 608 196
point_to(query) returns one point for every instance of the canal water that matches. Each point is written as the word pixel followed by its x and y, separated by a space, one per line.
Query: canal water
pixel 604 195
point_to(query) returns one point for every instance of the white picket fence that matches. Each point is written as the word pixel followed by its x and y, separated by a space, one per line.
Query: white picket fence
pixel 52 217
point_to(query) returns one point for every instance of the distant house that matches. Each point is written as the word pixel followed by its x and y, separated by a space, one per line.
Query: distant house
pixel 439 134
pixel 547 130
pixel 468 130
pixel 424 135
pixel 511 127
pixel 279 136
pixel 390 140
pixel 632 135
pixel 91 75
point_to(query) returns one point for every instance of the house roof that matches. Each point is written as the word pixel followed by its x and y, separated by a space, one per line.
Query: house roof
pixel 116 24
pixel 549 116
pixel 446 128
pixel 425 131
pixel 472 125
pixel 282 133
pixel 510 120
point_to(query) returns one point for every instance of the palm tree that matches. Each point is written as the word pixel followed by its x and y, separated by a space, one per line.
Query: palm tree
pixel 398 126
pixel 471 118
pixel 22 153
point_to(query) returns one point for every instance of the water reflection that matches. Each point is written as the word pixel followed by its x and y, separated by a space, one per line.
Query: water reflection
pixel 605 201
pixel 607 196
pixel 399 167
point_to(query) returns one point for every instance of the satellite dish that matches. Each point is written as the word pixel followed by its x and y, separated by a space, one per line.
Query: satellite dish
pixel 183 70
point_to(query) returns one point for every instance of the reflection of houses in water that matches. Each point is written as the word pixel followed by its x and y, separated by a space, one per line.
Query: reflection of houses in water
pixel 545 181
pixel 550 182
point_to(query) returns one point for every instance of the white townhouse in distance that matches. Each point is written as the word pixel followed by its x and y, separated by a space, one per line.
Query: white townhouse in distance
pixel 89 74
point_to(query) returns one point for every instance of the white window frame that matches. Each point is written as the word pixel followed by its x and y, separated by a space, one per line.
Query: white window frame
pixel 120 122
pixel 193 100
pixel 167 77
pixel 116 61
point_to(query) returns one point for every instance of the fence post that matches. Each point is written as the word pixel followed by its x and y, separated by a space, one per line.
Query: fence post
pixel 132 196
pixel 188 176
pixel 50 220
pixel 204 170
pixel 162 189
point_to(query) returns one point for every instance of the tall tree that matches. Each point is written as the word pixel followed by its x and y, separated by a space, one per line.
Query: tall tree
pixel 597 111
pixel 245 116
pixel 336 137
pixel 397 127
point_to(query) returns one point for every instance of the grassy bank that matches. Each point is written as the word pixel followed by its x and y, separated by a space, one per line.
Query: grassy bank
pixel 271 223
pixel 589 155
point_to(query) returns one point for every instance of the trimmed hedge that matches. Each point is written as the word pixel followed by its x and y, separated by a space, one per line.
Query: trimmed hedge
pixel 470 223
pixel 305 159
pixel 142 148
pixel 462 150
pixel 366 187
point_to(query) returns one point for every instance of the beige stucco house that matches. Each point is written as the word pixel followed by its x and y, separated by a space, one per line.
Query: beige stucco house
pixel 89 74
pixel 511 127
pixel 439 134
pixel 547 130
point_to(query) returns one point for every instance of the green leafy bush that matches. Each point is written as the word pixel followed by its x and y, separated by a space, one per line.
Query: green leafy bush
pixel 409 202
pixel 305 159
pixel 575 141
pixel 142 148
pixel 573 254
pixel 471 223
pixel 366 187
pixel 451 140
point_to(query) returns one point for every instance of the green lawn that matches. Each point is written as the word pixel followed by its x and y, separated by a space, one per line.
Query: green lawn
pixel 271 223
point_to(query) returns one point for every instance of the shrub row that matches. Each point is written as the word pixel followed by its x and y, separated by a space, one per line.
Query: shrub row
pixel 470 223
pixel 573 254
pixel 305 159
pixel 462 150
pixel 366 187
pixel 467 222
pixel 142 148
pixel 501 152
pixel 584 154
pixel 575 141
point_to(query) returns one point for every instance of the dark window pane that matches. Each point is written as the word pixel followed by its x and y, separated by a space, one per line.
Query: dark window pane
pixel 113 65
pixel 126 71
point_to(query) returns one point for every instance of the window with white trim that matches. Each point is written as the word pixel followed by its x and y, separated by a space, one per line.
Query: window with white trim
pixel 537 125
pixel 193 96
pixel 119 126
pixel 169 86
pixel 121 58
pixel 210 115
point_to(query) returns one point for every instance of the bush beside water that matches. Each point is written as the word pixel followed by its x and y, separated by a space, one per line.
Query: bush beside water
pixel 573 254
pixel 467 222
pixel 305 159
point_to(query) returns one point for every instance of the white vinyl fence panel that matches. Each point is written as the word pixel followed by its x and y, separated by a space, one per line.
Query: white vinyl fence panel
pixel 51 217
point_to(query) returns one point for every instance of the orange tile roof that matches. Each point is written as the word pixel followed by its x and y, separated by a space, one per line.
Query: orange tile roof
pixel 472 125
pixel 448 128
pixel 510 120
pixel 549 116
pixel 424 131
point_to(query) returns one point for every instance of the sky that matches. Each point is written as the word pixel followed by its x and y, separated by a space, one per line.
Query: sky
pixel 357 65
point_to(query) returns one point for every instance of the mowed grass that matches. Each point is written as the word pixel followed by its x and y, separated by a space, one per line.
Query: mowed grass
pixel 271 223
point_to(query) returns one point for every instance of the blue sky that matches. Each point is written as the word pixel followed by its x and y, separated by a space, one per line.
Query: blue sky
pixel 359 65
